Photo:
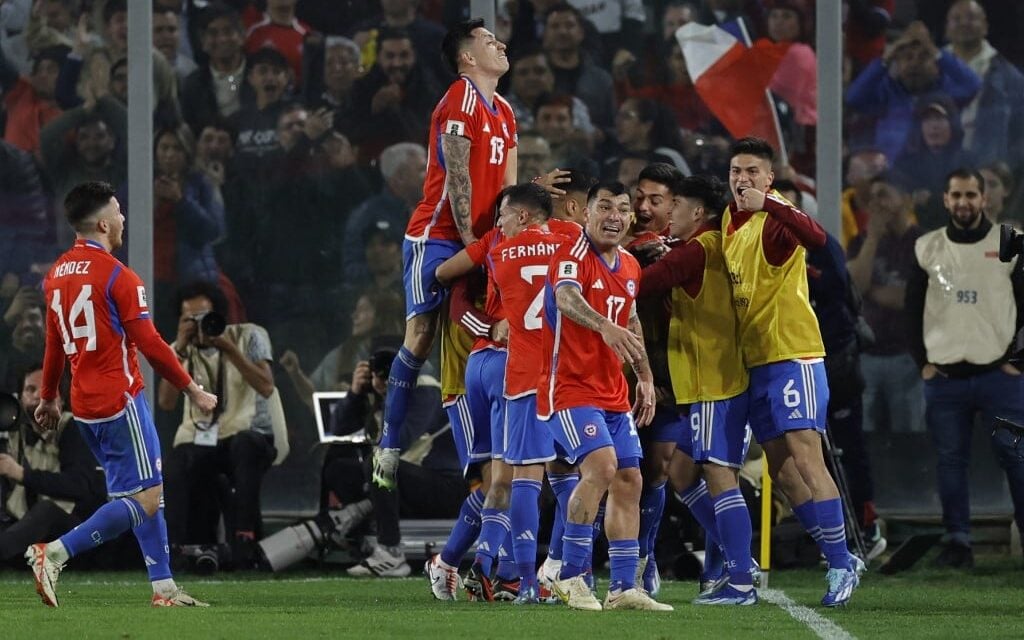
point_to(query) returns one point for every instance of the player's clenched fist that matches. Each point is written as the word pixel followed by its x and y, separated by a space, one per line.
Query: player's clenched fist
pixel 750 199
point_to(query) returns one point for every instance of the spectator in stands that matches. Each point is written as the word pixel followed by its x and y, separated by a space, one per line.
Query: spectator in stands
pixel 999 188
pixel 377 313
pixel 256 124
pixel 751 12
pixel 215 148
pixel 281 30
pixel 967 371
pixel 628 170
pixel 933 150
pixel 166 40
pixel 533 154
pixel 993 121
pixel 864 30
pixel 426 35
pixel 241 439
pixel 55 483
pixel 218 87
pixel 619 22
pixel 796 81
pixel 403 167
pixel 675 14
pixel 394 100
pixel 881 260
pixel 576 74
pixel 570 147
pixel 643 126
pixel 862 167
pixel 531 80
pixel 188 219
pixel 22 335
pixel 342 64
pixel 27 243
pixel 84 144
pixel 51 23
pixel 29 101
pixel 429 469
pixel 886 89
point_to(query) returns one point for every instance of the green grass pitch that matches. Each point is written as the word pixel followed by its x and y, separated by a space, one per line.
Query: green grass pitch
pixel 985 603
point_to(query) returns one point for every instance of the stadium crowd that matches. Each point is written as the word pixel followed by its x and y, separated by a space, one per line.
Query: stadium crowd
pixel 292 139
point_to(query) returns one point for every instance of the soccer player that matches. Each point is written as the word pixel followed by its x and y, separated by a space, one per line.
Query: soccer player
pixel 709 379
pixel 590 328
pixel 97 317
pixel 518 267
pixel 765 242
pixel 472 156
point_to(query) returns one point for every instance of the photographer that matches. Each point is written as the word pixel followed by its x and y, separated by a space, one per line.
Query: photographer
pixel 50 483
pixel 429 477
pixel 243 436
pixel 964 308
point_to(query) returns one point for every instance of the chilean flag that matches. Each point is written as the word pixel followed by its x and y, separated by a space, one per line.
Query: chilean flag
pixel 732 78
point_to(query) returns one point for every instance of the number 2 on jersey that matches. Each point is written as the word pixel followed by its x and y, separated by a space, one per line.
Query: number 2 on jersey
pixel 531 319
pixel 81 318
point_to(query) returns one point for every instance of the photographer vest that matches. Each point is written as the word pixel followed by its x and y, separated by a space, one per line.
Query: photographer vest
pixel 44 455
pixel 969 310
pixel 240 407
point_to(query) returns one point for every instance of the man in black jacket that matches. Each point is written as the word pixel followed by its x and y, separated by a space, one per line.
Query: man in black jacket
pixel 51 483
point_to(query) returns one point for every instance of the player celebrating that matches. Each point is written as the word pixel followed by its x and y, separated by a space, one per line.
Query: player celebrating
pixel 708 376
pixel 472 155
pixel 764 240
pixel 583 396
pixel 96 317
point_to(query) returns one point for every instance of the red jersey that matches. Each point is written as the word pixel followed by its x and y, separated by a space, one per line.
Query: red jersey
pixel 578 369
pixel 464 112
pixel 519 267
pixel 90 296
pixel 287 40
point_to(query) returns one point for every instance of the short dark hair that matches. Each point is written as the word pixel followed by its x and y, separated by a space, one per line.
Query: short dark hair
pixel 266 55
pixel 202 288
pixel 710 191
pixel 219 123
pixel 112 8
pixel 531 196
pixel 392 33
pixel 579 182
pixel 218 11
pixel 554 100
pixel 84 200
pixel 753 146
pixel 564 7
pixel 456 38
pixel 57 53
pixel 966 173
pixel 664 174
pixel 117 64
pixel 25 370
pixel 615 187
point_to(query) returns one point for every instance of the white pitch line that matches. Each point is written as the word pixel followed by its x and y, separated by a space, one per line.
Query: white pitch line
pixel 822 627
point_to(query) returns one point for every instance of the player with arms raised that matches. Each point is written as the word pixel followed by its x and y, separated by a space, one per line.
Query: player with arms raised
pixel 765 241
pixel 97 316
pixel 472 155
pixel 590 328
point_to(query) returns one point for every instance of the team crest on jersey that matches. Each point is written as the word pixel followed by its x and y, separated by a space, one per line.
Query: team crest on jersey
pixel 504 129
pixel 590 430
pixel 455 128
pixel 631 287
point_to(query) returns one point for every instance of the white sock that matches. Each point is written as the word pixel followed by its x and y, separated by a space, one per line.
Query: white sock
pixel 56 552
pixel 165 587
pixel 445 564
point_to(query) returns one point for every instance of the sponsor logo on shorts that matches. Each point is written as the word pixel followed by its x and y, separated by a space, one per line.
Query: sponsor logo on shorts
pixel 590 430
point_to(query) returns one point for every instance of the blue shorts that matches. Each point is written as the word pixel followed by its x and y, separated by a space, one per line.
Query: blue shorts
pixel 581 430
pixel 787 396
pixel 128 448
pixel 485 382
pixel 667 426
pixel 718 431
pixel 420 258
pixel 528 439
pixel 472 447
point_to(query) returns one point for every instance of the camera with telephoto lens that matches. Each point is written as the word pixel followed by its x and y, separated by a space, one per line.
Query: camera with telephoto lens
pixel 211 324
pixel 10 420
pixel 1011 243
pixel 312 538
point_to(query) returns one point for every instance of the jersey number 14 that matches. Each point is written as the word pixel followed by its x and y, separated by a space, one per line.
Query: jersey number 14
pixel 80 318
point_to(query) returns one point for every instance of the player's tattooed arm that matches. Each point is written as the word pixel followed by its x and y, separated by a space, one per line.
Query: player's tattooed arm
pixel 627 345
pixel 460 188
pixel 572 305
pixel 642 366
